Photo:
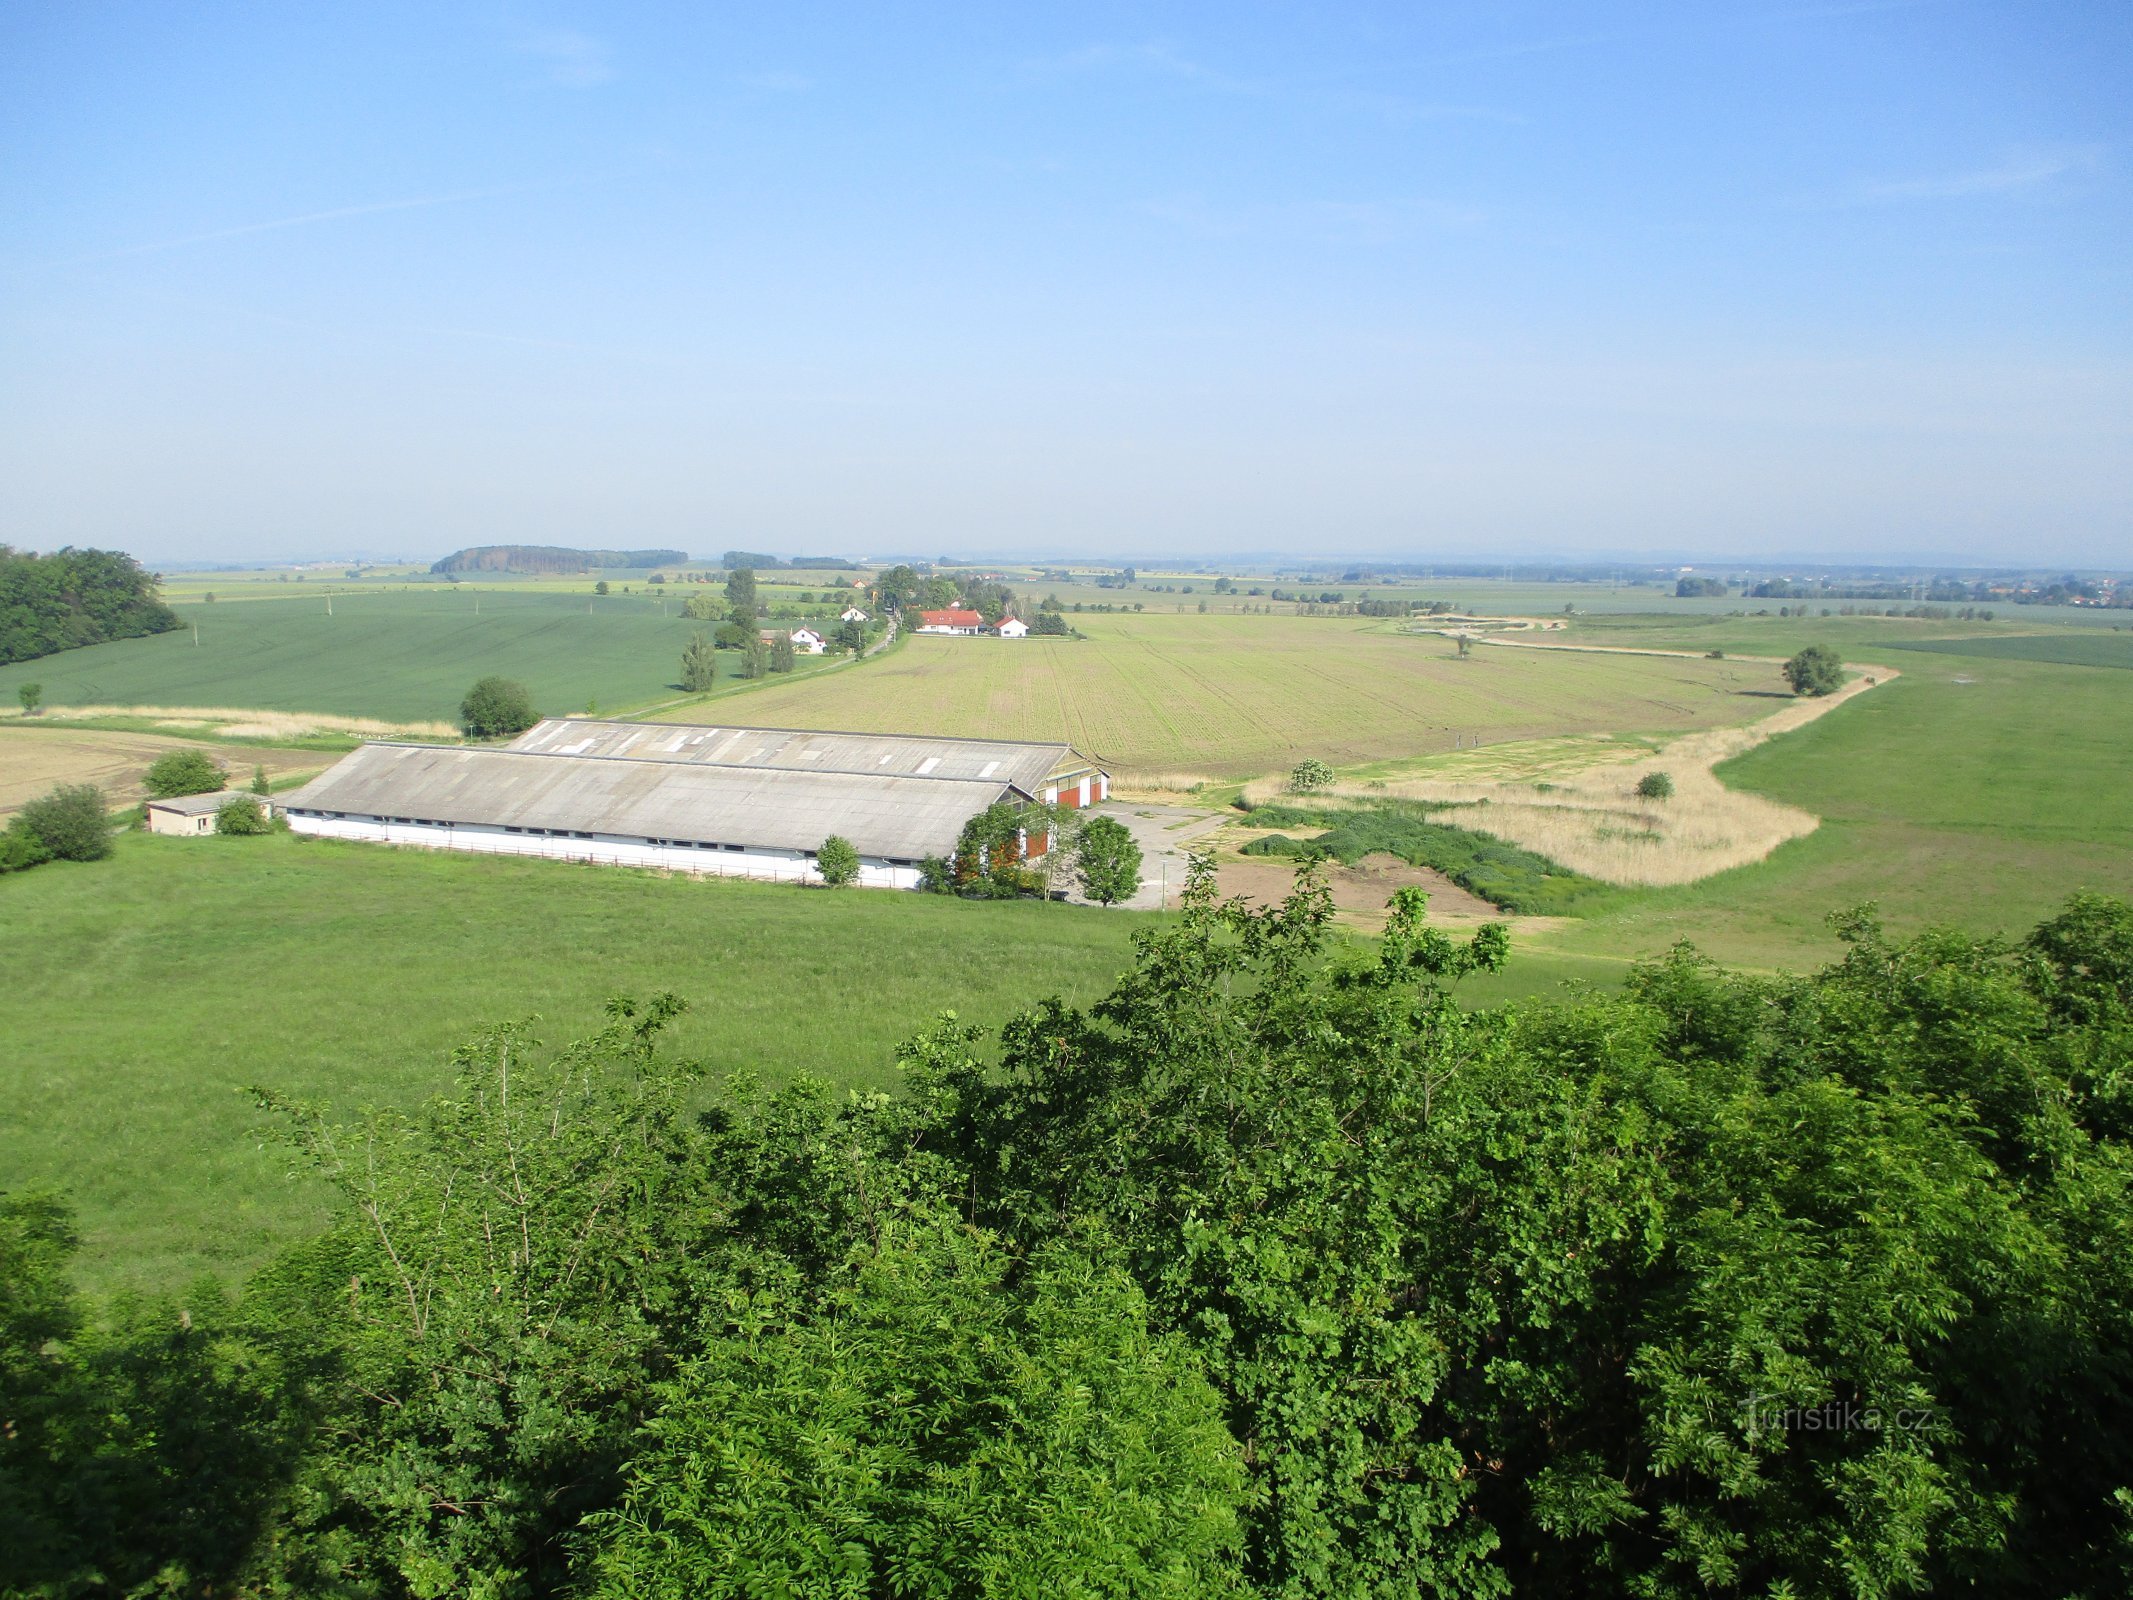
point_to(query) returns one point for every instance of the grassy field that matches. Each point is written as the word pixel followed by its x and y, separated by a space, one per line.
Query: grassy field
pixel 1981 803
pixel 1232 696
pixel 145 991
pixel 2072 650
pixel 402 656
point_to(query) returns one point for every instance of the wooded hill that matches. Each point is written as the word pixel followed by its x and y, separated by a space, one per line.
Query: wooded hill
pixel 74 597
pixel 552 558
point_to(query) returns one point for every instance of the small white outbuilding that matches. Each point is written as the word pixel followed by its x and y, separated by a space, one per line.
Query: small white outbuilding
pixel 189 814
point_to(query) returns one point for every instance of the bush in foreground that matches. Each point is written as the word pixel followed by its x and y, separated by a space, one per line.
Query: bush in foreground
pixel 1274 1270
pixel 182 772
pixel 496 708
pixel 1655 786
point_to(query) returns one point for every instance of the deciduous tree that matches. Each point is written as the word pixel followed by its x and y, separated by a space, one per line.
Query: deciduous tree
pixel 837 861
pixel 182 772
pixel 699 664
pixel 1817 670
pixel 496 707
pixel 1107 860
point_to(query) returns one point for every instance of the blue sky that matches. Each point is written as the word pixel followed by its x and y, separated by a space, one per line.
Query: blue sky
pixel 1453 281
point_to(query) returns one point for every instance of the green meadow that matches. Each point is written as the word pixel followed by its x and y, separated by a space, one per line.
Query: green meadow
pixel 400 655
pixel 145 992
pixel 1977 791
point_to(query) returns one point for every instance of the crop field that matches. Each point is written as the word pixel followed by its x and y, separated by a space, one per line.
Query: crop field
pixel 403 657
pixel 145 992
pixel 33 760
pixel 1233 696
pixel 2067 649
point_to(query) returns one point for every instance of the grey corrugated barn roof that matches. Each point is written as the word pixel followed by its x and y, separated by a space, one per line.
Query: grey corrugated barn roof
pixel 201 805
pixel 1023 764
pixel 903 817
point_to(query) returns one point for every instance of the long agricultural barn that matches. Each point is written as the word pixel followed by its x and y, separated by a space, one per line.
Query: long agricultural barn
pixel 740 802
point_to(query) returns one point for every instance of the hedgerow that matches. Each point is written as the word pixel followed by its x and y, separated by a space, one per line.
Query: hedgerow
pixel 1503 874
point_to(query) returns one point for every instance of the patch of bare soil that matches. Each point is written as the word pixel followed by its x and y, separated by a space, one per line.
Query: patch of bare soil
pixel 1364 887
pixel 33 760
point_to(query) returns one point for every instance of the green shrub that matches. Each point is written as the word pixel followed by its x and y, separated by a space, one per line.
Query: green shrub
pixel 837 861
pixel 1655 786
pixel 20 847
pixel 1308 775
pixel 71 822
pixel 495 708
pixel 243 816
pixel 181 772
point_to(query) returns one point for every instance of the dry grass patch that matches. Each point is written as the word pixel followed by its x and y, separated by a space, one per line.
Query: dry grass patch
pixel 243 722
pixel 1587 816
pixel 34 760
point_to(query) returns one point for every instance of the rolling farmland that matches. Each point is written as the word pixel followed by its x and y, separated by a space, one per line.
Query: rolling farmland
pixel 1228 696
pixel 401 656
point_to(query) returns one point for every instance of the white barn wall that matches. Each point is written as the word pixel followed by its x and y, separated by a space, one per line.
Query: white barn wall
pixel 781 866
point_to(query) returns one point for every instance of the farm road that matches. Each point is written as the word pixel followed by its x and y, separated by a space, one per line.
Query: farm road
pixel 1166 835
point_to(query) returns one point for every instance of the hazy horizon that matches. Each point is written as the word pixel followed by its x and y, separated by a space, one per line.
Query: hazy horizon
pixel 1540 283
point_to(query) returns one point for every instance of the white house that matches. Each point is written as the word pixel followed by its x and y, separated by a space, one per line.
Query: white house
pixel 192 814
pixel 1013 627
pixel 851 614
pixel 807 641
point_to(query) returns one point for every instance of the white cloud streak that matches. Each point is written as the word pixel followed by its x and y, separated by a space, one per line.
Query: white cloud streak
pixel 305 219
pixel 572 60
pixel 2017 171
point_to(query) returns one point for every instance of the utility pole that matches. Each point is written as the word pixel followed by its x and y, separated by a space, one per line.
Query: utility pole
pixel 196 636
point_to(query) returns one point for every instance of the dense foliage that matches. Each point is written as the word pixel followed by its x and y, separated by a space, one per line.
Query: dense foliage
pixel 552 558
pixel 1655 786
pixel 74 597
pixel 495 708
pixel 1503 874
pixel 1276 1272
pixel 182 772
pixel 837 861
pixel 988 863
pixel 243 816
pixel 1107 860
pixel 1817 670
pixel 699 663
pixel 67 824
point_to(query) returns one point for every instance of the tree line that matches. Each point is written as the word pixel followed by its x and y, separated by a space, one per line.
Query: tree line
pixel 70 597
pixel 1276 1272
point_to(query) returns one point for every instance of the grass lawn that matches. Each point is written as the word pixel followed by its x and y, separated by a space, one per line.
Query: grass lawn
pixel 146 991
pixel 1228 696
pixel 143 992
pixel 406 656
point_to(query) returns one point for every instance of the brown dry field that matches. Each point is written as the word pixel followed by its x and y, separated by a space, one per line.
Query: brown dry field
pixel 1361 889
pixel 33 760
pixel 1168 699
